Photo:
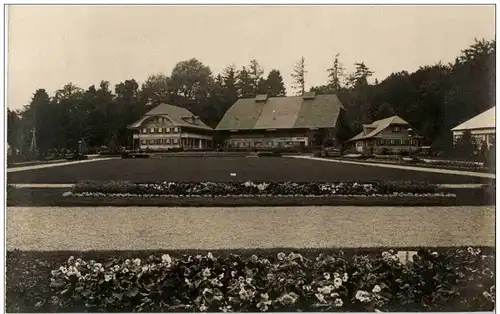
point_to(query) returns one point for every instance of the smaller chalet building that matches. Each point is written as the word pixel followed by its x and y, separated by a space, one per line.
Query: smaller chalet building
pixel 169 127
pixel 389 134
pixel 281 122
pixel 481 127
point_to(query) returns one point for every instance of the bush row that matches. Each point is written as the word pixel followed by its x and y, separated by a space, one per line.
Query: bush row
pixel 442 280
pixel 254 188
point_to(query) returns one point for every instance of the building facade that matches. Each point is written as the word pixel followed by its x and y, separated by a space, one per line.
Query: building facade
pixel 388 135
pixel 170 127
pixel 481 127
pixel 262 123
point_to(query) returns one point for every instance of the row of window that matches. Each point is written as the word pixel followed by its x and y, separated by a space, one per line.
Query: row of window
pixel 159 130
pixel 256 144
pixel 161 141
pixel 396 142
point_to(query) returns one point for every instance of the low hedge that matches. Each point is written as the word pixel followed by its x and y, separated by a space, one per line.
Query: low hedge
pixel 254 188
pixel 432 280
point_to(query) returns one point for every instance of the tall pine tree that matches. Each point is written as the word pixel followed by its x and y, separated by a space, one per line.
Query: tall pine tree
pixel 299 76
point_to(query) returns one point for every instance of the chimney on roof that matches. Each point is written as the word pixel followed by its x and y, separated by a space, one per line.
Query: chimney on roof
pixel 309 95
pixel 261 98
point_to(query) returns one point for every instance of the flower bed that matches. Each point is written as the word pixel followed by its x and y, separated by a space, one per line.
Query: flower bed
pixel 432 163
pixel 125 193
pixel 283 189
pixel 441 280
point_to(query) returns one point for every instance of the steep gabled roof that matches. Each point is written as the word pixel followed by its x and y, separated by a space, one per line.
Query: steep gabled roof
pixel 178 115
pixel 379 126
pixel 481 121
pixel 317 111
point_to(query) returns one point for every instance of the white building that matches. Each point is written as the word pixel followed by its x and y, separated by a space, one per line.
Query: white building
pixel 167 127
pixel 481 127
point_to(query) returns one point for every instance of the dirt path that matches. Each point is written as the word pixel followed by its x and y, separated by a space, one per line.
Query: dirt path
pixel 115 228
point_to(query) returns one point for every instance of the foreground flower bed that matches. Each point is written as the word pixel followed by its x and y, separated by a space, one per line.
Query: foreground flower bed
pixel 441 280
pixel 281 189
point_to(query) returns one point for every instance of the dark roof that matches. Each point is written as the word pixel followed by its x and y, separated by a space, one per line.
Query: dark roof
pixel 378 126
pixel 319 111
pixel 179 116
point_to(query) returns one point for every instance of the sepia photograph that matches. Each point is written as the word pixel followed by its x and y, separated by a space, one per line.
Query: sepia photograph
pixel 250 157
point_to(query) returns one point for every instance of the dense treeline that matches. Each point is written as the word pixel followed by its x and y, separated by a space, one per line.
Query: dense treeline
pixel 433 99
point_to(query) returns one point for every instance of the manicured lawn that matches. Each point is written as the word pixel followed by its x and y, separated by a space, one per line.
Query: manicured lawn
pixel 219 169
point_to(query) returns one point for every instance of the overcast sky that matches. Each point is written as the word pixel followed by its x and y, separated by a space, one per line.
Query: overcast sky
pixel 49 46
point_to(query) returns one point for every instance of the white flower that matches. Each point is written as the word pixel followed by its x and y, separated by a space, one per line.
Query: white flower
pixel 203 308
pixel 233 273
pixel 210 256
pixel 362 296
pixel 326 290
pixel 334 295
pixel 376 289
pixel 165 258
pixel 206 272
pixel 116 268
pixel 320 297
pixel 337 282
pixel 327 276
pixel 288 298
pixel 248 281
pixel 281 256
pixel 338 302
pixel 336 275
pixel 243 294
pixel 345 277
pixel 264 296
pixel 137 261
pixel 254 258
pixel 206 290
pixel 108 277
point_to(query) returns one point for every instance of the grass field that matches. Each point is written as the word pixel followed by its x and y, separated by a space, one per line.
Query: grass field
pixel 219 169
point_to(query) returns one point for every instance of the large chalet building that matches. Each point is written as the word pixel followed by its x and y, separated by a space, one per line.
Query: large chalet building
pixel 392 135
pixel 262 122
pixel 169 127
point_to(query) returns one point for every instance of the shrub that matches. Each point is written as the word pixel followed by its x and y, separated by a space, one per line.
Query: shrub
pixel 105 187
pixel 448 280
pixel 418 187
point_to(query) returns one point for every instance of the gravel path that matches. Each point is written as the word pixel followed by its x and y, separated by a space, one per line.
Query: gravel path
pixel 114 228
pixel 54 164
